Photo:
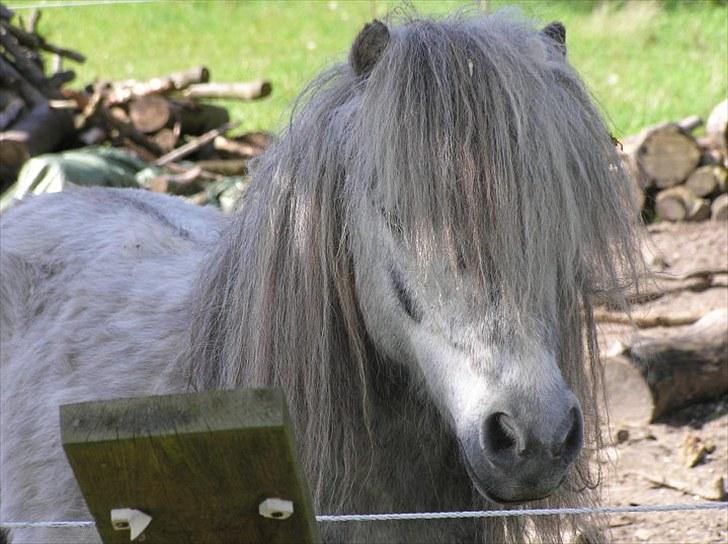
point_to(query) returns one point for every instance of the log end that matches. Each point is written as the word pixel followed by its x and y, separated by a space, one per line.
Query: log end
pixel 629 398
pixel 668 155
pixel 719 208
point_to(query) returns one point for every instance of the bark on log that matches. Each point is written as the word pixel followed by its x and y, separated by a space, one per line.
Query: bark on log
pixel 656 376
pixel 707 180
pixel 24 64
pixel 38 132
pixel 665 154
pixel 719 208
pixel 680 204
pixel 34 41
pixel 239 91
pixel 59 79
pixel 13 79
pixel 196 119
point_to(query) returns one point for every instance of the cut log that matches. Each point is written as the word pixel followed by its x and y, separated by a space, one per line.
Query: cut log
pixel 124 91
pixel 34 41
pixel 240 91
pixel 225 167
pixel 633 174
pixel 11 111
pixel 707 180
pixel 184 184
pixel 690 123
pixel 717 125
pixel 711 156
pixel 151 113
pixel 117 119
pixel 680 204
pixel 246 146
pixel 6 13
pixel 24 63
pixel 185 78
pixel 166 139
pixel 93 136
pixel 719 208
pixel 193 145
pixel 12 79
pixel 665 154
pixel 197 119
pixel 645 320
pixel 38 132
pixel 33 21
pixel 60 78
pixel 657 375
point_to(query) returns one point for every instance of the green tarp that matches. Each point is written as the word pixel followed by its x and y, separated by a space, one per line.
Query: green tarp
pixel 108 167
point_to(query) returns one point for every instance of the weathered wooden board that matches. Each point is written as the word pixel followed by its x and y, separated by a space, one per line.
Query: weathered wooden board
pixel 200 464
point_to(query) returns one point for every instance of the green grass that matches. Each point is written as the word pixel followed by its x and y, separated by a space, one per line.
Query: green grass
pixel 646 61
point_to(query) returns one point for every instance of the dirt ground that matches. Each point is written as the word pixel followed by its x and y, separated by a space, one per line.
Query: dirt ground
pixel 645 465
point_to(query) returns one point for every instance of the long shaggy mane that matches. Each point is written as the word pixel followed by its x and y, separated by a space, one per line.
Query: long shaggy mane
pixel 477 141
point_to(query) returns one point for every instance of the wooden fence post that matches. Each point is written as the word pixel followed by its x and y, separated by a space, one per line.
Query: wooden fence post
pixel 200 464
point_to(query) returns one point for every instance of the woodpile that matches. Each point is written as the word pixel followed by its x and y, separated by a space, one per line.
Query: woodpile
pixel 29 123
pixel 677 176
pixel 162 120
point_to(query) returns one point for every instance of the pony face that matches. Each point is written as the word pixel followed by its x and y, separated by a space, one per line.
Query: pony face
pixel 493 373
pixel 438 252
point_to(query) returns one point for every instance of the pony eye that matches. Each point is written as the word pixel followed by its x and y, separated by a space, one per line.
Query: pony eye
pixel 392 222
pixel 404 296
pixel 462 266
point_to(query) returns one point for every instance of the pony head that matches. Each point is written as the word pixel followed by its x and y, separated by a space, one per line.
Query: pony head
pixel 471 234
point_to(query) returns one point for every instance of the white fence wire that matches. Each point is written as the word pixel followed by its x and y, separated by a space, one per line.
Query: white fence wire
pixel 81 4
pixel 412 516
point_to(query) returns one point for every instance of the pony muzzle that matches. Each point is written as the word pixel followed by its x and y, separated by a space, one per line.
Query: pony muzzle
pixel 519 459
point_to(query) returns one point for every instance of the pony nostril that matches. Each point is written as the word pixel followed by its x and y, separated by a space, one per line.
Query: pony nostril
pixel 569 448
pixel 500 434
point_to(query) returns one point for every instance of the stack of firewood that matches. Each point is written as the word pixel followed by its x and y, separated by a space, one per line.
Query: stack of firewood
pixel 29 122
pixel 161 119
pixel 154 118
pixel 679 177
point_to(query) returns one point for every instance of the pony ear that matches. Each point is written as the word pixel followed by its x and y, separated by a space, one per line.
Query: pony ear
pixel 368 47
pixel 556 32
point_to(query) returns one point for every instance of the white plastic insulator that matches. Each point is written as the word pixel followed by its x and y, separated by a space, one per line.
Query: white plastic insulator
pixel 275 509
pixel 130 519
